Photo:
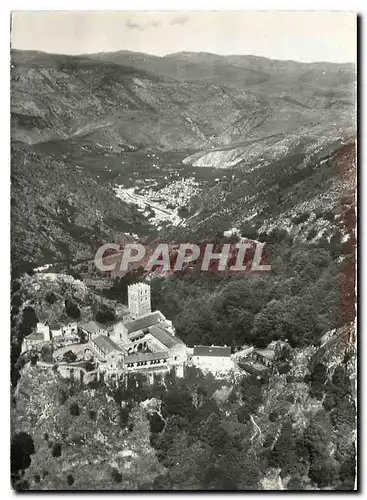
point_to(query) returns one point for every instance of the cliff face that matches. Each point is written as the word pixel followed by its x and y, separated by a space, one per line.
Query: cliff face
pixel 302 186
pixel 92 445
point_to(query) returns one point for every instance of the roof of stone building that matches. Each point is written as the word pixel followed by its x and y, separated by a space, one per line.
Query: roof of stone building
pixel 251 366
pixel 206 350
pixel 146 356
pixel 106 344
pixel 92 326
pixel 54 325
pixel 143 322
pixel 34 336
pixel 266 353
pixel 164 336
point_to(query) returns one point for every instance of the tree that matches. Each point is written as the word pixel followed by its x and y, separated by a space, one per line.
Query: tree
pixel 16 301
pixel 323 471
pixel 56 450
pixel 29 321
pixel 47 354
pixel 69 357
pixel 251 397
pixel 92 415
pixel 248 231
pixel 347 471
pixel 74 409
pixel 317 381
pixel 156 423
pixel 337 390
pixel 22 447
pixel 105 314
pixel 34 359
pixel 178 402
pixel 72 309
pixel 116 476
pixel 318 435
pixel 70 480
pixel 50 297
pixel 292 318
pixel 284 451
pixel 213 433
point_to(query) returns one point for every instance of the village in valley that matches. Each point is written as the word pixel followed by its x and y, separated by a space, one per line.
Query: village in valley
pixel 143 341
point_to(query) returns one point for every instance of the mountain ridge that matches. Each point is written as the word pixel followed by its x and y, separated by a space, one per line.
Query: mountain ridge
pixel 63 106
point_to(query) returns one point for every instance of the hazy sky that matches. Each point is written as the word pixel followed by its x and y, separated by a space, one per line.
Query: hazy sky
pixel 298 35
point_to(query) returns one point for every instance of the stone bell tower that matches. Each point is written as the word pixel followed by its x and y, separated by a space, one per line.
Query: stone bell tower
pixel 139 299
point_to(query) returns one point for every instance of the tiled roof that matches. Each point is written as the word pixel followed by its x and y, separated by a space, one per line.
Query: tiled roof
pixel 106 344
pixel 92 327
pixel 164 336
pixel 218 351
pixel 146 356
pixel 143 322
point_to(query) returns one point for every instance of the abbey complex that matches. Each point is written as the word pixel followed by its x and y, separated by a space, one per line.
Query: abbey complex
pixel 144 341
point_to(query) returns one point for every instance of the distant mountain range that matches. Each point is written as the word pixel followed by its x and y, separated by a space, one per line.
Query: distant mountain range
pixel 274 122
pixel 181 101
